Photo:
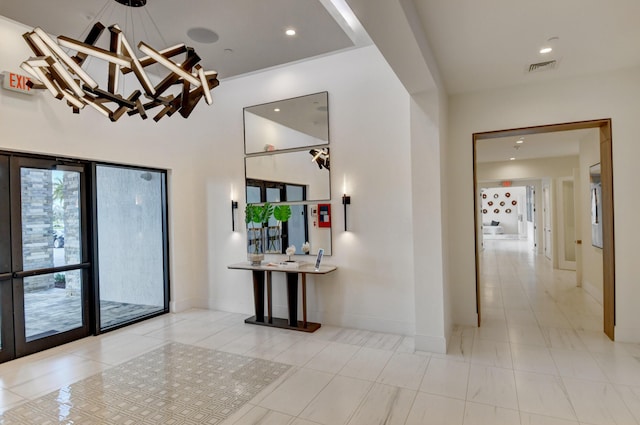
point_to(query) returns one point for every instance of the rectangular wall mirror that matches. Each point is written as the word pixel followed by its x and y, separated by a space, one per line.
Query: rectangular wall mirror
pixel 287 162
pixel 287 124
pixel 308 169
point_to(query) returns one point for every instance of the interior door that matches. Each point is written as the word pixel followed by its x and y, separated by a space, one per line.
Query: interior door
pixel 49 253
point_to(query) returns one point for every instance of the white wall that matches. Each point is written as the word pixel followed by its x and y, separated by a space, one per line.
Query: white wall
pixel 615 95
pixel 373 287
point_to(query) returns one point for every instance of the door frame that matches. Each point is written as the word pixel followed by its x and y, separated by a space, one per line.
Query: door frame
pixel 606 161
pixel 22 346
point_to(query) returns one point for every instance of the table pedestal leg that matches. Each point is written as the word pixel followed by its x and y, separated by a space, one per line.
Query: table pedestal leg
pixel 269 300
pixel 292 298
pixel 304 300
pixel 258 294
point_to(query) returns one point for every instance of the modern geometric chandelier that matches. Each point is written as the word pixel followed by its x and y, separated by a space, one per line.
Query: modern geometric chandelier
pixel 62 73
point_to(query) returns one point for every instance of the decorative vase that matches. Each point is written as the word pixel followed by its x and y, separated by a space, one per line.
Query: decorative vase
pixel 255 245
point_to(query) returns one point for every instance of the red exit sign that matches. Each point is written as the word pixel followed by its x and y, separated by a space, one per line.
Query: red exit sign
pixel 16 82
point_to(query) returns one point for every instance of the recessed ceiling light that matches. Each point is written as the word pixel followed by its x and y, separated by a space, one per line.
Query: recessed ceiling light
pixel 276 110
pixel 512 159
pixel 546 50
pixel 290 32
pixel 520 141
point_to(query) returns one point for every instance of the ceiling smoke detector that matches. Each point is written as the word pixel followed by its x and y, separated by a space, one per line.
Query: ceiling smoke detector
pixel 543 66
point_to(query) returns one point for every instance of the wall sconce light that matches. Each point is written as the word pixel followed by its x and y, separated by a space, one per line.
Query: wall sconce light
pixel 234 206
pixel 346 200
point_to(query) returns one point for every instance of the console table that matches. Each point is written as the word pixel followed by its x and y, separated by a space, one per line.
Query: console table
pixel 259 273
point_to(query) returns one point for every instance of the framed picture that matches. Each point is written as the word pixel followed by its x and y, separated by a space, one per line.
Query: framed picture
pixel 595 187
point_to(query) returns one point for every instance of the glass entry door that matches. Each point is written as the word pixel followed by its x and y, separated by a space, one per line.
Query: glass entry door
pixel 49 254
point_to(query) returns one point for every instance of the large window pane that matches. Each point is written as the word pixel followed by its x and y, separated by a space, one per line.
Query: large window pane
pixel 130 244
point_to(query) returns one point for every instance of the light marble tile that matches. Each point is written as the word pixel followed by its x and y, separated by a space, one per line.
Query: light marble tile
pixel 459 348
pixel 619 368
pixel 353 336
pixel 531 419
pixel 598 342
pixel 404 370
pixel 261 416
pixel 446 377
pixel 187 331
pixel 631 397
pixel 384 405
pixel 597 403
pixel 299 421
pixel 301 352
pixel 367 364
pixel 429 409
pixel 295 393
pixel 9 399
pixel 527 335
pixel 247 342
pixel 117 350
pixel 524 317
pixel 494 331
pixel 482 414
pixel 57 379
pixel 333 357
pixel 492 385
pixel 564 339
pixel 543 395
pixel 552 319
pixel 222 338
pixel 530 358
pixel 274 346
pixel 491 353
pixel 577 364
pixel 337 401
pixel 382 341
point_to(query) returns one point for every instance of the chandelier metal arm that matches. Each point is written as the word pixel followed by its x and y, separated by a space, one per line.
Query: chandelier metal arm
pixel 53 69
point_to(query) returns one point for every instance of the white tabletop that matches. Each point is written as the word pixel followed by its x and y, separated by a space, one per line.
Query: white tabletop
pixel 303 267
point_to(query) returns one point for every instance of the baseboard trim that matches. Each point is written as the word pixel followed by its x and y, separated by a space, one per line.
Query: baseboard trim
pixel 631 335
pixel 431 344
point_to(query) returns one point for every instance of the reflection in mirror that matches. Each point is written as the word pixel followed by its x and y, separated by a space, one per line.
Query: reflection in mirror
pixel 301 227
pixel 308 169
pixel 287 124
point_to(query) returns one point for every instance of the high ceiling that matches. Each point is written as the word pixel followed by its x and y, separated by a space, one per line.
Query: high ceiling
pixel 250 33
pixel 491 43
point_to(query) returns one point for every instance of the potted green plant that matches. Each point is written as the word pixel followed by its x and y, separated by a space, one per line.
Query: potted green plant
pixel 257 218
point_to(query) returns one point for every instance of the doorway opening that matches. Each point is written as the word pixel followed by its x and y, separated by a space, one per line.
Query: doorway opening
pixel 606 224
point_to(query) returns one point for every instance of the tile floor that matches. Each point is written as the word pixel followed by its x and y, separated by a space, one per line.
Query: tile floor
pixel 539 359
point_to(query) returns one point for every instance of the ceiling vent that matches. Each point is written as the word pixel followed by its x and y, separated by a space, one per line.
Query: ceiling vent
pixel 543 66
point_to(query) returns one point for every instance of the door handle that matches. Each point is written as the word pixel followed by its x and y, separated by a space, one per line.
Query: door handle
pixel 5 276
